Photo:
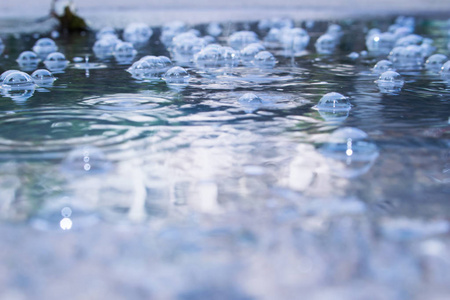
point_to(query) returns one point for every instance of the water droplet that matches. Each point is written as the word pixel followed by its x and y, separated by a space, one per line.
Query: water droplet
pixel 334 102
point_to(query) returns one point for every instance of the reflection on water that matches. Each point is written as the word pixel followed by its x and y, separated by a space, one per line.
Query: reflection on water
pixel 241 170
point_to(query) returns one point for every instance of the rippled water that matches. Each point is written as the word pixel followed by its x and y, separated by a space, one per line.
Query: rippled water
pixel 242 197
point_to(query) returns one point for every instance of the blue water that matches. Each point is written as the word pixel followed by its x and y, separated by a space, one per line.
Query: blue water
pixel 227 199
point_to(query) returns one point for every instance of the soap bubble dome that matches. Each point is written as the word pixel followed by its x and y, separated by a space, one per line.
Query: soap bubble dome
pixel 264 60
pixel 349 152
pixel 250 102
pixel 43 77
pixel 137 33
pixel 445 71
pixel 383 66
pixel 326 44
pixel 104 47
pixel 380 43
pixel 390 82
pixel 6 73
pixel 210 57
pixel 334 102
pixel 435 62
pixel 176 77
pixel 124 52
pixel 148 67
pixel 56 61
pixel 17 80
pixel 28 61
pixel 240 39
pixel 45 46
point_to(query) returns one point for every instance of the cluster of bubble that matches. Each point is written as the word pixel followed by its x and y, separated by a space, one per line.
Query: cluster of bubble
pixel 20 86
pixel 108 43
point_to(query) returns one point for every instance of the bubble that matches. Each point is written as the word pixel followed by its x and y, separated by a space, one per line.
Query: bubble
pixel 380 43
pixel 249 52
pixel 294 40
pixel 335 30
pixel 165 62
pixel 28 61
pixel 434 62
pixel 6 73
pixel 17 80
pixel 390 82
pixel 231 57
pixel 334 102
pixel 124 52
pixel 326 44
pixel 250 102
pixel 409 57
pixel 264 59
pixel 86 160
pixel 56 61
pixel 137 33
pixel 106 31
pixel 383 66
pixel 275 23
pixel 44 47
pixel 104 47
pixel 445 71
pixel 146 69
pixel 186 45
pixel 240 39
pixel 43 77
pixel 214 29
pixel 176 75
pixel 210 57
pixel 349 152
pixel 410 39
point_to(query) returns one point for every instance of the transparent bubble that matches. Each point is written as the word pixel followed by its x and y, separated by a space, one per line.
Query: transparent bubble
pixel 264 59
pixel 390 82
pixel 137 33
pixel 214 29
pixel 396 55
pixel 6 73
pixel 104 47
pixel 434 62
pixel 240 39
pixel 410 39
pixel 250 102
pixel 17 80
pixel 176 75
pixel 185 48
pixel 445 71
pixel 380 43
pixel 349 152
pixel 334 102
pixel 335 30
pixel 275 23
pixel 326 44
pixel 210 57
pixel 249 52
pixel 43 77
pixel 86 160
pixel 427 49
pixel 124 52
pixel 295 40
pixel 56 61
pixel 148 67
pixel 28 61
pixel 44 46
pixel 165 62
pixel 106 31
pixel 383 66
pixel 231 57
pixel 273 36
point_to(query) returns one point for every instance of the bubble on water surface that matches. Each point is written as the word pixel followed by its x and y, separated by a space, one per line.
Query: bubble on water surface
pixel 435 62
pixel 231 57
pixel 326 44
pixel 104 47
pixel 43 77
pixel 28 61
pixel 6 73
pixel 148 67
pixel 445 71
pixel 334 102
pixel 390 82
pixel 380 43
pixel 106 31
pixel 210 58
pixel 264 60
pixel 214 29
pixel 124 52
pixel 383 66
pixel 241 39
pixel 86 160
pixel 177 78
pixel 17 80
pixel 294 40
pixel 349 152
pixel 56 61
pixel 44 47
pixel 250 102
pixel 248 53
pixel 137 33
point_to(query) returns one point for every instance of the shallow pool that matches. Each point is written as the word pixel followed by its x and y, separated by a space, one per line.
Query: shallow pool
pixel 193 192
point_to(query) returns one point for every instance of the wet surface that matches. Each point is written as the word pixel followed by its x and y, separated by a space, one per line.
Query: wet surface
pixel 236 185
